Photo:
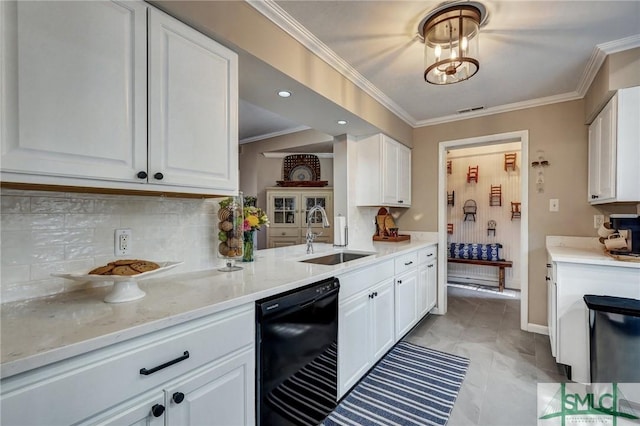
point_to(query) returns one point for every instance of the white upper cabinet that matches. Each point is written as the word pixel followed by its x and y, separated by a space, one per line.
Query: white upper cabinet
pixel 77 109
pixel 614 151
pixel 384 172
pixel 75 95
pixel 193 92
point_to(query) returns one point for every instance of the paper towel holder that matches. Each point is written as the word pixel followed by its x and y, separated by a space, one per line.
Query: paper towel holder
pixel 346 236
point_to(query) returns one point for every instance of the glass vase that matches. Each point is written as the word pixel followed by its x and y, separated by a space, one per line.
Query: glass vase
pixel 248 252
pixel 230 232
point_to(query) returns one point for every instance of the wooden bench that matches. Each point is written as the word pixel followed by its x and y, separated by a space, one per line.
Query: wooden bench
pixel 501 264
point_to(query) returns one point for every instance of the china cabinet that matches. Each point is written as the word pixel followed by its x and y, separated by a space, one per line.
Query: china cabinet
pixel 287 209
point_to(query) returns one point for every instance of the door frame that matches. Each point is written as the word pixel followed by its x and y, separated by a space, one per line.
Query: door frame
pixel 521 136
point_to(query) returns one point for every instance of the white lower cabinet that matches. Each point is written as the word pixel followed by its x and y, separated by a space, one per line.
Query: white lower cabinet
pixel 365 322
pixel 214 383
pixel 216 395
pixel 571 281
pixel 378 306
pixel 427 280
pixel 406 293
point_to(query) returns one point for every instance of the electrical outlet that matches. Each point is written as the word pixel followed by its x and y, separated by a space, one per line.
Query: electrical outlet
pixel 122 242
pixel 598 220
pixel 554 205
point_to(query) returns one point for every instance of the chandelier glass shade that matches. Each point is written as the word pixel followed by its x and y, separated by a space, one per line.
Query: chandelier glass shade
pixel 451 44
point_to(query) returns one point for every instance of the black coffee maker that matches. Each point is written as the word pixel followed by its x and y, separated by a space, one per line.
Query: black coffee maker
pixel 630 223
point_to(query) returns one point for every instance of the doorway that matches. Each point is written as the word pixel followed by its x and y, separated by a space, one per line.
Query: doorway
pixel 523 138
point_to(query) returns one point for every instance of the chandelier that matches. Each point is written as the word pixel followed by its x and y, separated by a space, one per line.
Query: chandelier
pixel 451 42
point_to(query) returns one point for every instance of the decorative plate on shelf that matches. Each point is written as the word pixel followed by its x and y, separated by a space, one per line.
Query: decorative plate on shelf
pixel 301 173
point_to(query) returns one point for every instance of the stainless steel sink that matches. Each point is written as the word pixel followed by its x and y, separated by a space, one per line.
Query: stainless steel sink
pixel 336 258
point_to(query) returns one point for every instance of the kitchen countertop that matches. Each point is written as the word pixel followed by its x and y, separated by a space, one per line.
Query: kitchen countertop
pixel 584 250
pixel 41 331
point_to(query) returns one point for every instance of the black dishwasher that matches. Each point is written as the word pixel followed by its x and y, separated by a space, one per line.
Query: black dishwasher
pixel 296 365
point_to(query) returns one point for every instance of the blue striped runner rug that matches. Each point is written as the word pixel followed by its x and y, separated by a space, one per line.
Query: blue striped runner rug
pixel 411 385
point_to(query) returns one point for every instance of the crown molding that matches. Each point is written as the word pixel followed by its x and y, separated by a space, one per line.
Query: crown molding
pixel 599 54
pixel 565 97
pixel 616 46
pixel 287 23
pixel 273 134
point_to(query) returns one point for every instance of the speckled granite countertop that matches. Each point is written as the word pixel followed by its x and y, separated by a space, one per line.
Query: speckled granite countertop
pixel 41 331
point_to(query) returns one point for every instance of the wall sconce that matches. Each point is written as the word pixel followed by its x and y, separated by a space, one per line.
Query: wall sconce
pixel 539 165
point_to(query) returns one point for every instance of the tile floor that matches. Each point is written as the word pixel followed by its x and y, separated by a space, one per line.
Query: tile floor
pixel 506 362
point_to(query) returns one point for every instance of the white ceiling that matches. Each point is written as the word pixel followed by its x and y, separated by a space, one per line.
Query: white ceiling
pixel 531 52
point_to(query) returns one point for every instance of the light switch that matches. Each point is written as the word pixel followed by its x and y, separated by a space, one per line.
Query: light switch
pixel 554 205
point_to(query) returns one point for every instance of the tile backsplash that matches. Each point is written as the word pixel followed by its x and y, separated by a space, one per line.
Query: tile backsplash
pixel 51 232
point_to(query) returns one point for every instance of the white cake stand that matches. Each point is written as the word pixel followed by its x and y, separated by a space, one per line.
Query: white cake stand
pixel 125 288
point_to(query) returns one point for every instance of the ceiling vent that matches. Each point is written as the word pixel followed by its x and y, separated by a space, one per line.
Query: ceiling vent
pixel 472 109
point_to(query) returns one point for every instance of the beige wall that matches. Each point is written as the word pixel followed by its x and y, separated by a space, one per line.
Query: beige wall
pixel 557 129
pixel 238 25
pixel 618 71
pixel 258 172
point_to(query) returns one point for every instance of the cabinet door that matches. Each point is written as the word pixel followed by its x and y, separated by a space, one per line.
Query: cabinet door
pixel 137 412
pixel 74 89
pixel 423 290
pixel 354 349
pixel 382 311
pixel 284 210
pixel 406 293
pixel 193 123
pixel 432 285
pixel 390 153
pixel 222 394
pixel 602 155
pixel 311 200
pixel 551 314
pixel 404 175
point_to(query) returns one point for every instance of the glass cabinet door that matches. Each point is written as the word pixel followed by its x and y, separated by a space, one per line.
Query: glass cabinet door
pixel 285 210
pixel 309 201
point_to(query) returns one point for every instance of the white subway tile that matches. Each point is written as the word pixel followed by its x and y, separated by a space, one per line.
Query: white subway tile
pixel 27 256
pixel 43 271
pixel 91 221
pixel 80 251
pixel 14 274
pixel 61 205
pixel 17 222
pixel 14 204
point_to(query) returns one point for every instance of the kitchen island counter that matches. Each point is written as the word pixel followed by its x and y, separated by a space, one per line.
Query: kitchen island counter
pixel 42 331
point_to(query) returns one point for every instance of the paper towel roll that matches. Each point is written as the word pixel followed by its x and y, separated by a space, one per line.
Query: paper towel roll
pixel 340 231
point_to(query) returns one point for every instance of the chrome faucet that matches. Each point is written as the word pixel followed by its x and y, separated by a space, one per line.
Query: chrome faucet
pixel 311 236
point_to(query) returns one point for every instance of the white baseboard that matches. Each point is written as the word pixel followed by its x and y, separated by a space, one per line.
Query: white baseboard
pixel 536 328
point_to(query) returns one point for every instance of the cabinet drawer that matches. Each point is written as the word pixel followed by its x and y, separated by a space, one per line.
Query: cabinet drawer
pixel 427 254
pixel 406 262
pixel 74 389
pixel 284 232
pixel 361 279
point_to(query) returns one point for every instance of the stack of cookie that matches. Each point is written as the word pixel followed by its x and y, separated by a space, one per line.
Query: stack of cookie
pixel 125 267
pixel 230 231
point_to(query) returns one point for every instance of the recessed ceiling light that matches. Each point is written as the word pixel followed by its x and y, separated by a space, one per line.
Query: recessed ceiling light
pixel 284 93
pixel 343 122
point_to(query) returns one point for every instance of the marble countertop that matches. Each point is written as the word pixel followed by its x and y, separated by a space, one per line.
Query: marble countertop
pixel 583 250
pixel 41 331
